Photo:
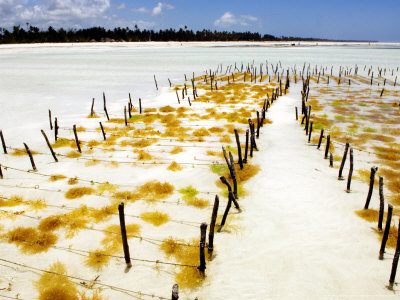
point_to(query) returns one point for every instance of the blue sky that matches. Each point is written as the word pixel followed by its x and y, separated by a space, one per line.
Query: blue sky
pixel 335 19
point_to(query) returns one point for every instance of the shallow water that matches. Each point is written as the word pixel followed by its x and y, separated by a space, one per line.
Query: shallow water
pixel 65 79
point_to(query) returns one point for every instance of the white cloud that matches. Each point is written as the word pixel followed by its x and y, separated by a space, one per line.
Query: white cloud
pixel 121 6
pixel 158 10
pixel 67 13
pixel 228 19
pixel 140 10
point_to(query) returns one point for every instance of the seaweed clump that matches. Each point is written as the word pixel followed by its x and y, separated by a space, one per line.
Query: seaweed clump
pixel 156 218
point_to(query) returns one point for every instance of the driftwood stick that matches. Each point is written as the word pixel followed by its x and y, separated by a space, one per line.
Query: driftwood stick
pixel 77 140
pixel 102 130
pixel 386 232
pixel 371 186
pixel 381 203
pixel 350 171
pixel 49 145
pixel 50 120
pixel 28 151
pixel 3 142
pixel 123 234
pixel 395 261
pixel 212 225
pixel 203 231
pixel 239 149
pixel 346 149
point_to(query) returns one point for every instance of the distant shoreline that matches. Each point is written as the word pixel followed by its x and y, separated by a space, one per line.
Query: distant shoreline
pixel 173 44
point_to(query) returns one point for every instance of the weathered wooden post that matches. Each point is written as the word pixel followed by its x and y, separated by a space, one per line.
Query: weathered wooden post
pixel 350 171
pixel 77 140
pixel 28 151
pixel 239 149
pixel 203 231
pixel 91 109
pixel 105 107
pixel 3 142
pixel 55 129
pixel 175 288
pixel 177 96
pixel 102 130
pixel 346 149
pixel 212 226
pixel 155 81
pixel 230 193
pixel 297 113
pixel 395 261
pixel 386 232
pixel 331 160
pixel 320 138
pixel 381 203
pixel 50 120
pixel 247 147
pixel 231 166
pixel 130 106
pixel 123 234
pixel 328 144
pixel 140 106
pixel 310 131
pixel 1 173
pixel 258 124
pixel 49 145
pixel 371 186
pixel 125 119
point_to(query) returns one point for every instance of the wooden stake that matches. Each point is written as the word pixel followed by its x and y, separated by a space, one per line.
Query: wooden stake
pixel 395 261
pixel 258 124
pixel 239 149
pixel 328 143
pixel 102 130
pixel 123 234
pixel 230 193
pixel 203 231
pixel 30 157
pixel 228 207
pixel 231 166
pixel 49 145
pixel 175 290
pixel 346 149
pixel 170 84
pixel 350 171
pixel 77 140
pixel 331 160
pixel 381 203
pixel 177 96
pixel 247 147
pixel 55 129
pixel 212 226
pixel 105 107
pixel 126 120
pixel 140 106
pixel 386 233
pixel 50 121
pixel 297 113
pixel 371 186
pixel 1 173
pixel 130 106
pixel 155 81
pixel 92 108
pixel 3 142
pixel 320 138
pixel 310 131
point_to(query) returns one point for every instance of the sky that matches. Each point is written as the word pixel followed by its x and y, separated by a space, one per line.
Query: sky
pixel 328 19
